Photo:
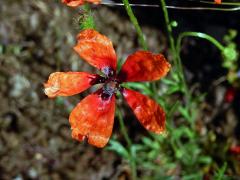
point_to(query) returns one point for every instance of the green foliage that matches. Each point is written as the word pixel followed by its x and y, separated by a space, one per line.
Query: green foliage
pixel 144 87
pixel 14 49
pixel 219 175
pixel 86 19
pixel 230 52
pixel 179 152
pixel 118 148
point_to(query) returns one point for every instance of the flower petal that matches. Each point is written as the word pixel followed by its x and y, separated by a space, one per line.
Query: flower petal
pixel 68 83
pixel 144 66
pixel 93 118
pixel 75 3
pixel 96 49
pixel 148 112
pixel 218 1
pixel 235 149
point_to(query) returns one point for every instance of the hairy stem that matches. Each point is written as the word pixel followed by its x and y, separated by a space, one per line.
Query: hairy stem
pixel 135 23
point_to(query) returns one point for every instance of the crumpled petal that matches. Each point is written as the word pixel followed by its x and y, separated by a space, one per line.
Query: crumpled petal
pixel 93 118
pixel 75 3
pixel 147 111
pixel 68 83
pixel 96 49
pixel 144 66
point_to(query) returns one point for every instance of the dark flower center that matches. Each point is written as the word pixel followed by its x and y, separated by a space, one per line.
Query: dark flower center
pixel 108 71
pixel 110 83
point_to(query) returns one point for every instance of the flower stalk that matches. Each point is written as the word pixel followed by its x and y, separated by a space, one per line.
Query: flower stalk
pixel 129 144
pixel 136 24
pixel 176 56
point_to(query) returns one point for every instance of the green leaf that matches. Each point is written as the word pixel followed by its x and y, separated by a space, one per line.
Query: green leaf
pixel 119 149
pixel 134 149
pixel 139 86
pixel 173 109
pixel 220 173
pixel 150 143
pixel 168 81
pixel 196 176
pixel 184 112
pixel 173 89
pixel 205 159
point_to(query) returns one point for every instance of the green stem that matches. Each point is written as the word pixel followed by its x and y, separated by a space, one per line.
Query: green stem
pixel 176 58
pixel 198 35
pixel 179 64
pixel 87 21
pixel 123 129
pixel 140 35
pixel 129 144
pixel 177 61
pixel 136 24
pixel 172 43
pixel 169 31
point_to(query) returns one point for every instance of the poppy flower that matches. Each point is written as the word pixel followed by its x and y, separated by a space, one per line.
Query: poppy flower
pixel 75 3
pixel 218 1
pixel 230 95
pixel 93 117
pixel 235 149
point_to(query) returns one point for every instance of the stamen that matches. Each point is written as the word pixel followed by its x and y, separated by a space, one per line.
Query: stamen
pixel 109 89
pixel 108 71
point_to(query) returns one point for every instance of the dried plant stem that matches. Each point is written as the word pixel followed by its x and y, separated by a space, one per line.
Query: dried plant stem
pixel 136 24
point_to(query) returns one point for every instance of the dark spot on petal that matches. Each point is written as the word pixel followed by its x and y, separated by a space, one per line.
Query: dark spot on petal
pixel 122 76
pixel 98 80
pixel 107 91
pixel 105 96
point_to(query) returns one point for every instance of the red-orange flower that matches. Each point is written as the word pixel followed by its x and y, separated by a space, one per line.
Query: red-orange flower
pixel 93 117
pixel 218 1
pixel 75 3
pixel 235 149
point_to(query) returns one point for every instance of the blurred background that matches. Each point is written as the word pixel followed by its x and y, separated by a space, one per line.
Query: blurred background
pixel 36 39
